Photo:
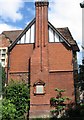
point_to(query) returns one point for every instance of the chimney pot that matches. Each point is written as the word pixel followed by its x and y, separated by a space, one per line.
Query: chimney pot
pixel 41 3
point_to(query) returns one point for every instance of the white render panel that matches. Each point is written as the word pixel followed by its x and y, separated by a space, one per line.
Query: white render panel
pixel 32 33
pixel 23 39
pixel 56 38
pixel 51 36
pixel 28 37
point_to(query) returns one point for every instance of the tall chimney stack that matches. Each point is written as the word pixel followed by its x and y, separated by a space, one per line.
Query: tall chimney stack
pixel 39 63
pixel 41 23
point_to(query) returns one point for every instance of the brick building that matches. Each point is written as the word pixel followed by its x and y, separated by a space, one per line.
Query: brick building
pixel 45 56
pixel 6 38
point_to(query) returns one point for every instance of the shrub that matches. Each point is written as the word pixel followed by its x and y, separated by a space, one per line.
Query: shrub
pixel 58 103
pixel 76 112
pixel 9 110
pixel 17 95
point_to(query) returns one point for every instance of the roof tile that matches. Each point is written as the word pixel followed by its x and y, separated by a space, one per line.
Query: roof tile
pixel 12 35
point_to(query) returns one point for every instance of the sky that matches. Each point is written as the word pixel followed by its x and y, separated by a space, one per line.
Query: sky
pixel 16 14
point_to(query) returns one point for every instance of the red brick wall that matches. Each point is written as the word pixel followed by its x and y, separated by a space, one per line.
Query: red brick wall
pixel 58 60
pixel 20 76
pixel 46 59
pixel 44 65
pixel 60 57
pixel 19 57
pixel 19 60
pixel 62 80
pixel 4 42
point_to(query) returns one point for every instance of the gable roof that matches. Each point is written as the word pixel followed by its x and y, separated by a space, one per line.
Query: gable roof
pixel 12 35
pixel 67 34
pixel 64 33
pixel 21 34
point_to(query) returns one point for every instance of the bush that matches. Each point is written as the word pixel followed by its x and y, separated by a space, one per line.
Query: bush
pixel 76 112
pixel 17 97
pixel 9 110
pixel 58 103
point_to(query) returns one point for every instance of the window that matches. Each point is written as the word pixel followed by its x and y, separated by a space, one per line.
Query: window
pixel 39 89
pixel 4 50
pixel 3 56
pixel 3 62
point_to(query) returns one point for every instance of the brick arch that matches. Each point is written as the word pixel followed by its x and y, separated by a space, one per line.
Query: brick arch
pixel 39 82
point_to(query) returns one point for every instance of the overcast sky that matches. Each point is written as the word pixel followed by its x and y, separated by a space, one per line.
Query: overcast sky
pixel 16 14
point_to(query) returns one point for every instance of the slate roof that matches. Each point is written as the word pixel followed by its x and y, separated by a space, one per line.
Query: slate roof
pixel 12 35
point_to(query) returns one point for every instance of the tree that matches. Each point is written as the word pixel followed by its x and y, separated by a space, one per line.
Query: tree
pixel 81 75
pixel 3 78
pixel 2 84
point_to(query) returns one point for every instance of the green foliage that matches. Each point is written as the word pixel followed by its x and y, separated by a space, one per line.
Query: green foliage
pixel 9 110
pixel 81 75
pixel 3 78
pixel 17 95
pixel 58 102
pixel 76 111
pixel 0 109
pixel 59 90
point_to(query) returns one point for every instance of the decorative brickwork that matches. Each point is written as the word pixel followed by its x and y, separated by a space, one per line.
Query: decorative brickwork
pixel 19 76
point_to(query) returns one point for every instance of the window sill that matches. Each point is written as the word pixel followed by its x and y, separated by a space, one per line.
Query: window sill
pixel 39 94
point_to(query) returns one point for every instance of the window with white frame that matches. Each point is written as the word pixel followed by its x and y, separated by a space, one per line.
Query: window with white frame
pixel 3 56
pixel 3 62
pixel 39 89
